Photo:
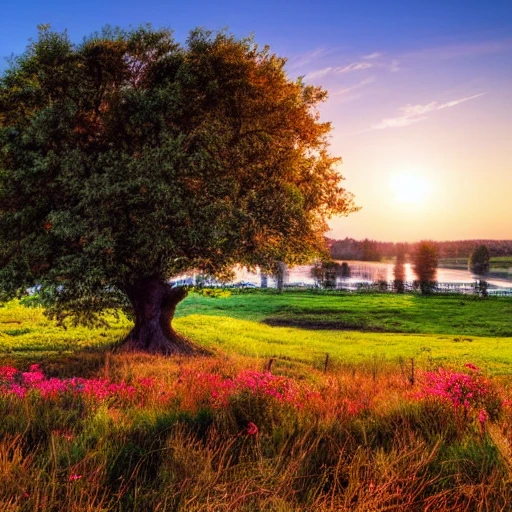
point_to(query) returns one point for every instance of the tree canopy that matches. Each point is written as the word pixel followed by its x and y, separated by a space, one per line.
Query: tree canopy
pixel 129 158
pixel 425 261
pixel 479 260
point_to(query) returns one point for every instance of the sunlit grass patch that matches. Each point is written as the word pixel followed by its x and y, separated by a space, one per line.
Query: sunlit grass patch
pixel 233 336
pixel 238 328
pixel 442 314
pixel 27 335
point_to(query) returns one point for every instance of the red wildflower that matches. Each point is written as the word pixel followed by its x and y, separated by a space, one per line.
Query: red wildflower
pixel 252 429
pixel 7 373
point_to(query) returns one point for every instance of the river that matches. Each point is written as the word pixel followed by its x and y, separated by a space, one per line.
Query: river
pixel 370 272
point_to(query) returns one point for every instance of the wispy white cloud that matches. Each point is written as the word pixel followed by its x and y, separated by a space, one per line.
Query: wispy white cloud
pixel 415 113
pixel 397 122
pixel 456 102
pixel 371 56
pixel 418 110
pixel 303 59
pixel 354 87
pixel 355 66
pixel 318 73
pixel 379 60
pixel 339 70
pixel 394 65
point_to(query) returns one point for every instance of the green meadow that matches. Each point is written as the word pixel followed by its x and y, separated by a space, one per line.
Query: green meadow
pixel 262 423
pixel 301 326
pixel 353 328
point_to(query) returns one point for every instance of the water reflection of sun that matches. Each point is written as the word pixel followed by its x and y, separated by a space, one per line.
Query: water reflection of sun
pixel 409 188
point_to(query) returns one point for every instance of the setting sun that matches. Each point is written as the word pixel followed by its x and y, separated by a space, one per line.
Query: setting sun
pixel 409 188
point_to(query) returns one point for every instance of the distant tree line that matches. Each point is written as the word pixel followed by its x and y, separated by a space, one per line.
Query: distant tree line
pixel 364 250
pixel 424 257
pixel 372 250
pixel 464 248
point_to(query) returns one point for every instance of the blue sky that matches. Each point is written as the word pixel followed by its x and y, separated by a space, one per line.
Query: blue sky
pixel 421 89
pixel 287 25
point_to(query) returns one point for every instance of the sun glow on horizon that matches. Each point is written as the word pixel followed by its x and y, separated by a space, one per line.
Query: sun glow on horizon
pixel 409 188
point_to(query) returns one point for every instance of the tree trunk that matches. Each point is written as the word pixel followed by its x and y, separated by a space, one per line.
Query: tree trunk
pixel 154 302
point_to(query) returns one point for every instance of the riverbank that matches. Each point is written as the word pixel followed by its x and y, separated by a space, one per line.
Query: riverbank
pixel 499 267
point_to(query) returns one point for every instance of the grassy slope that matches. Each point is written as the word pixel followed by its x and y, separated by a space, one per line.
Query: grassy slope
pixel 433 330
pixel 252 339
pixel 440 314
pixel 27 336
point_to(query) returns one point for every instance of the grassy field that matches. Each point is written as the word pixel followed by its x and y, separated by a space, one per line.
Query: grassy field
pixel 299 326
pixel 354 328
pixel 87 428
pixel 437 314
pixel 501 262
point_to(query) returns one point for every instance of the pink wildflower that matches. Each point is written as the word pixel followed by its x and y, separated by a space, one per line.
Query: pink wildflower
pixel 267 384
pixel 74 477
pixel 252 429
pixel 51 387
pixel 34 376
pixel 483 416
pixel 145 382
pixel 460 389
pixel 18 390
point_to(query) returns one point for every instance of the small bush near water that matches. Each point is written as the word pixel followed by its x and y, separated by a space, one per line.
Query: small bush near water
pixel 222 434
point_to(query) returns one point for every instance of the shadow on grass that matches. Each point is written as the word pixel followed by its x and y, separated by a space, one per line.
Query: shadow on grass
pixel 91 361
pixel 86 362
pixel 316 324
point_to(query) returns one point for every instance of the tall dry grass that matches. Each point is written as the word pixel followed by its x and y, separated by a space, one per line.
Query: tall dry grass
pixel 219 434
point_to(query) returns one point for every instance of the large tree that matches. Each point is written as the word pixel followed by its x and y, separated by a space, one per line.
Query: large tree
pixel 128 158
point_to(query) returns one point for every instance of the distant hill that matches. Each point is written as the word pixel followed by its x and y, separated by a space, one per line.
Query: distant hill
pixel 373 250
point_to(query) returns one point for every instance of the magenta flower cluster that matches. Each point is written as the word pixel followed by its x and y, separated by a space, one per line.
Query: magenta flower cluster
pixel 211 387
pixel 462 390
pixel 219 389
pixel 14 382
